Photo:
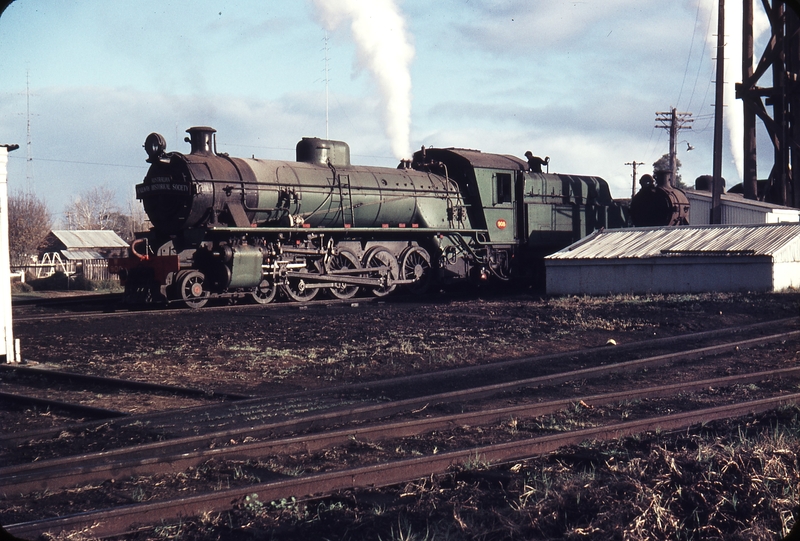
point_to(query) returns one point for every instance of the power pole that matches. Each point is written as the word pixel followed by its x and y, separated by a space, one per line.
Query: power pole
pixel 716 184
pixel 674 122
pixel 634 163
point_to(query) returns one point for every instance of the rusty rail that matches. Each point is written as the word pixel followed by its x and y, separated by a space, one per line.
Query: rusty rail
pixel 117 383
pixel 118 521
pixel 467 375
pixel 75 471
pixel 362 412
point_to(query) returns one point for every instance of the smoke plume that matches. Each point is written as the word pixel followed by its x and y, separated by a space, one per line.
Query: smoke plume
pixel 734 110
pixel 379 32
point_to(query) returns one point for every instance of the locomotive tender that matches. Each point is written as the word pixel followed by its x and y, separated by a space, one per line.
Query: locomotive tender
pixel 234 227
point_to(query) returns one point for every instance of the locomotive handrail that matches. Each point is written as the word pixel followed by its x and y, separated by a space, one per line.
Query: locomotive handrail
pixel 370 230
pixel 141 257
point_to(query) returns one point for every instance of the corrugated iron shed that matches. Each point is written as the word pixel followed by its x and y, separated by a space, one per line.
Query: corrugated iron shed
pixel 81 255
pixel 737 210
pixel 87 239
pixel 762 257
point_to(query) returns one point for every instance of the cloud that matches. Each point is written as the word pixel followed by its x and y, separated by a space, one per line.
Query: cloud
pixel 93 136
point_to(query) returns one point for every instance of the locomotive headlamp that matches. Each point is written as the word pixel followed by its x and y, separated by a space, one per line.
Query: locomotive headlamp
pixel 154 145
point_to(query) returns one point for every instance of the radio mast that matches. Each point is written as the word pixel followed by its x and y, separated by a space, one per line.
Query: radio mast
pixel 29 144
pixel 326 86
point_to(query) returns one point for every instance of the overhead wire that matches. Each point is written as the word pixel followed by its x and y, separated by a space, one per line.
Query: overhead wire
pixel 651 144
pixel 81 162
pixel 700 64
pixel 689 56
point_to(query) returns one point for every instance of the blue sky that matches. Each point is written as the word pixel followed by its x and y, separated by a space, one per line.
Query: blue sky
pixel 579 81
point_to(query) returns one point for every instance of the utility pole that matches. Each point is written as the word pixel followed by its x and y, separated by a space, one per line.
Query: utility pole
pixel 716 184
pixel 674 121
pixel 634 163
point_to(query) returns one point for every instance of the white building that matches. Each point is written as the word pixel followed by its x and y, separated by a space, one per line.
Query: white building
pixel 737 210
pixel 686 259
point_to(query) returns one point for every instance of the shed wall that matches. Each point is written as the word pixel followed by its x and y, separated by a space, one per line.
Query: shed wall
pixel 666 275
pixel 786 275
pixel 736 210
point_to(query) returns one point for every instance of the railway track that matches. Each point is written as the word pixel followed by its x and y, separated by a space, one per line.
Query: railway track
pixel 424 413
pixel 72 395
pixel 297 409
pixel 126 519
pixel 110 305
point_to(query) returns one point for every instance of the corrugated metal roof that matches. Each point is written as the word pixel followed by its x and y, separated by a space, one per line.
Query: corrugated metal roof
pixel 80 255
pixel 708 240
pixel 96 238
pixel 480 159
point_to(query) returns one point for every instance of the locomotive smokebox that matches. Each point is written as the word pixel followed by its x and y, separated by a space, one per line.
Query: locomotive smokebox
pixel 323 151
pixel 201 138
pixel 659 204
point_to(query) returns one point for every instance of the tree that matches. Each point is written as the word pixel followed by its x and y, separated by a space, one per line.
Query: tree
pixel 29 222
pixel 94 208
pixel 662 164
pixel 133 222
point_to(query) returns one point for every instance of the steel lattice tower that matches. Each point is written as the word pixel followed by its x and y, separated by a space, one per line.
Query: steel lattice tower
pixel 781 59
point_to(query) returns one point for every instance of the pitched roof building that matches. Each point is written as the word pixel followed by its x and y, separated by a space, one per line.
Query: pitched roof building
pixel 85 244
pixel 686 259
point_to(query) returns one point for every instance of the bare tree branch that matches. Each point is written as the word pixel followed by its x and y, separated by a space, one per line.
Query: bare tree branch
pixel 29 222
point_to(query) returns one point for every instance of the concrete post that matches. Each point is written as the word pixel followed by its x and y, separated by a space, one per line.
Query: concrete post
pixel 7 345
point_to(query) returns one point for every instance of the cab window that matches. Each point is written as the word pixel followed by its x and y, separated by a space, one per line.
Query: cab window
pixel 502 188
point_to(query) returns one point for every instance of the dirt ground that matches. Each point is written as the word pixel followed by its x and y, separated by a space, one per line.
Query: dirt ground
pixel 282 347
pixel 724 480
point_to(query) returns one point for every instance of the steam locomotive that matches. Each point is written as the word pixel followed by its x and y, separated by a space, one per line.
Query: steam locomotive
pixel 245 227
pixel 657 203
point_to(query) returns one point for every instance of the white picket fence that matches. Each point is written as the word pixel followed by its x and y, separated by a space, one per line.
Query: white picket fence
pixel 92 269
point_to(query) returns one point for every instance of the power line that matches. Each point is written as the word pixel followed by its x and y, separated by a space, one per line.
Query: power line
pixel 689 56
pixel 87 163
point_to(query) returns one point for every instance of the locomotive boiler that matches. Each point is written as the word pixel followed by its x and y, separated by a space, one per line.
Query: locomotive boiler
pixel 233 227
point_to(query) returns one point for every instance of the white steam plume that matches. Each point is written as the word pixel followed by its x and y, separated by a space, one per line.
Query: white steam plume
pixel 379 31
pixel 734 110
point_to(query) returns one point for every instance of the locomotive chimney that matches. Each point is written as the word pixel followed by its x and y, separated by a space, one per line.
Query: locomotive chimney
pixel 662 178
pixel 201 139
